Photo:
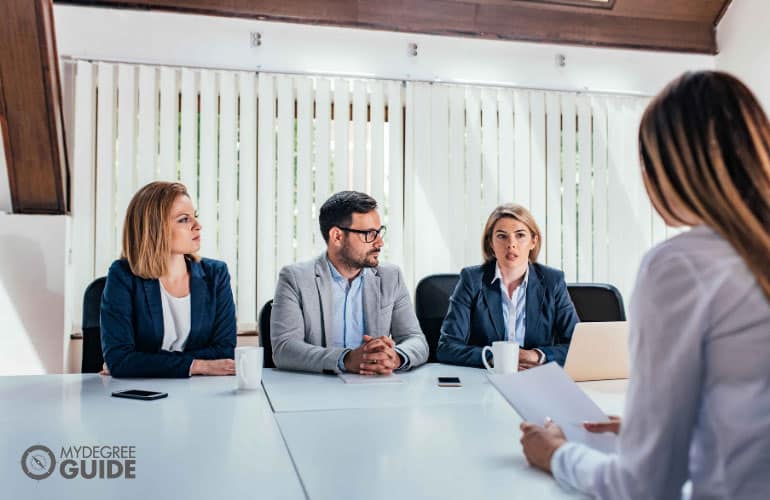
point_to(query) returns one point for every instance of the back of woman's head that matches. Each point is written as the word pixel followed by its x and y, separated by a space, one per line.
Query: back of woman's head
pixel 147 228
pixel 705 148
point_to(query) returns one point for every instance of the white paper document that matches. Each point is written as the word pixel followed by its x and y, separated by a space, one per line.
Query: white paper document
pixel 547 391
pixel 354 378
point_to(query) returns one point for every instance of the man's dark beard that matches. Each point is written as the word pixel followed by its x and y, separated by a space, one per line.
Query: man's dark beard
pixel 353 263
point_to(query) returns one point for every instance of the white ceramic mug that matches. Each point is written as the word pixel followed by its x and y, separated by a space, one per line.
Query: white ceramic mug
pixel 505 355
pixel 248 367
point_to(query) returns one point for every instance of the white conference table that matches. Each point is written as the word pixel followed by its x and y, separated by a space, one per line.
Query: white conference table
pixel 412 439
pixel 292 391
pixel 295 391
pixel 204 441
pixel 324 439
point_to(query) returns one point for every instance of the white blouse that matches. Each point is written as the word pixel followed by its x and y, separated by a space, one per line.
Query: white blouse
pixel 176 320
pixel 698 403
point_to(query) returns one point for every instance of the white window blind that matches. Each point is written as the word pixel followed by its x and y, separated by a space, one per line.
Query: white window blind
pixel 149 123
pixel 318 136
pixel 570 158
pixel 260 153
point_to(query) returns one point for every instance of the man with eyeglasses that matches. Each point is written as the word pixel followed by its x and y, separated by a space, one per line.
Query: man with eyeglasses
pixel 344 311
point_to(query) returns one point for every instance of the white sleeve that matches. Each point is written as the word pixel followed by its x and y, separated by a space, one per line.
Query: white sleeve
pixel 668 323
pixel 574 466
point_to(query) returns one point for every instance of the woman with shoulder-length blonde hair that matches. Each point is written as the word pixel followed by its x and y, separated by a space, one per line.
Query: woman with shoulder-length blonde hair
pixel 699 391
pixel 165 311
pixel 509 297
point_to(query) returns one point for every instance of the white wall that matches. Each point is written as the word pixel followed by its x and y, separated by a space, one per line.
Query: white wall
pixel 744 45
pixel 34 250
pixel 190 40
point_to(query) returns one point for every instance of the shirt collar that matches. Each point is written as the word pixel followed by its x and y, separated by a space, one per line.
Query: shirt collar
pixel 499 276
pixel 336 276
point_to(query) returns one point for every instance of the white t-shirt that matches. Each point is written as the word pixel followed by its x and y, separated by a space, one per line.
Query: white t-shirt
pixel 176 320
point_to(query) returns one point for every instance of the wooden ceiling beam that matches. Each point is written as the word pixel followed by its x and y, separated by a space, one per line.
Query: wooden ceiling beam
pixel 525 21
pixel 30 108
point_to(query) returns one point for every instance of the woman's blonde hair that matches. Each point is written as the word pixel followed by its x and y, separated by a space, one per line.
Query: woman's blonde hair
pixel 147 229
pixel 513 211
pixel 704 143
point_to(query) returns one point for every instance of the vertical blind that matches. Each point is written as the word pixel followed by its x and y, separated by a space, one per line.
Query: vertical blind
pixel 259 153
pixel 570 158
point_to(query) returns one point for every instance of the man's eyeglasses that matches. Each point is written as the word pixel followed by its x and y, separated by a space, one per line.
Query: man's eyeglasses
pixel 369 234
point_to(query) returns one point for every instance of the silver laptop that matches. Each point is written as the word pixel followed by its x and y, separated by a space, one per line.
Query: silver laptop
pixel 598 351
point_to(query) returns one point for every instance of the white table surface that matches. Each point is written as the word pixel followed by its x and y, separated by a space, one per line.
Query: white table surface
pixel 609 395
pixel 295 391
pixel 433 452
pixel 412 440
pixel 326 439
pixel 205 441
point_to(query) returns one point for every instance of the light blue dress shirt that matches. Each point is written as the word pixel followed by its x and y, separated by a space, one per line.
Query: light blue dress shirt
pixel 348 311
pixel 348 306
pixel 514 308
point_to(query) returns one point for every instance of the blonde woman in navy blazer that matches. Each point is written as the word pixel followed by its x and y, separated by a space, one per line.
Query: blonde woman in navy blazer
pixel 165 311
pixel 536 312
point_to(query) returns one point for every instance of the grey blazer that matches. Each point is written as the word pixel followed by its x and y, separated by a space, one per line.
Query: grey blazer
pixel 302 314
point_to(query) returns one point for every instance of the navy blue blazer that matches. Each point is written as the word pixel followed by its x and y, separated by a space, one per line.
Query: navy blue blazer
pixel 475 316
pixel 132 321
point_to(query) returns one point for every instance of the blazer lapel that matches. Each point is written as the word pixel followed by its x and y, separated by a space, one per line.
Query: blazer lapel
pixel 493 299
pixel 154 305
pixel 200 298
pixel 371 298
pixel 535 296
pixel 323 281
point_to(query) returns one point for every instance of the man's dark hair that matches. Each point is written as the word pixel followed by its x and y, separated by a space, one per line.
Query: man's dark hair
pixel 338 210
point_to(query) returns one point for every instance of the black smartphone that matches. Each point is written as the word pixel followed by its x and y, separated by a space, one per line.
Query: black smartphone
pixel 140 394
pixel 449 382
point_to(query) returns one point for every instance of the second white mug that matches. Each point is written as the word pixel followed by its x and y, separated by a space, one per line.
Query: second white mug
pixel 505 355
pixel 248 367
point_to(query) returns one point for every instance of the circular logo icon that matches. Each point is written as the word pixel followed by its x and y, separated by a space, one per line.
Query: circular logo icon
pixel 38 462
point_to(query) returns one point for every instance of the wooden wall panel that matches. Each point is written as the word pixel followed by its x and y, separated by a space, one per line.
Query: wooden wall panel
pixel 678 25
pixel 685 10
pixel 30 92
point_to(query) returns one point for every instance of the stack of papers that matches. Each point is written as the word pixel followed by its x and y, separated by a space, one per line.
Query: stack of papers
pixel 548 392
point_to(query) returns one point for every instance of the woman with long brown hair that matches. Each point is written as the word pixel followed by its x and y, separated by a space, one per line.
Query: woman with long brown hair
pixel 698 402
pixel 165 311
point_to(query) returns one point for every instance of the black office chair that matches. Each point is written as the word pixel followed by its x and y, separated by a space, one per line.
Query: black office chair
pixel 264 334
pixel 92 338
pixel 597 302
pixel 431 303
